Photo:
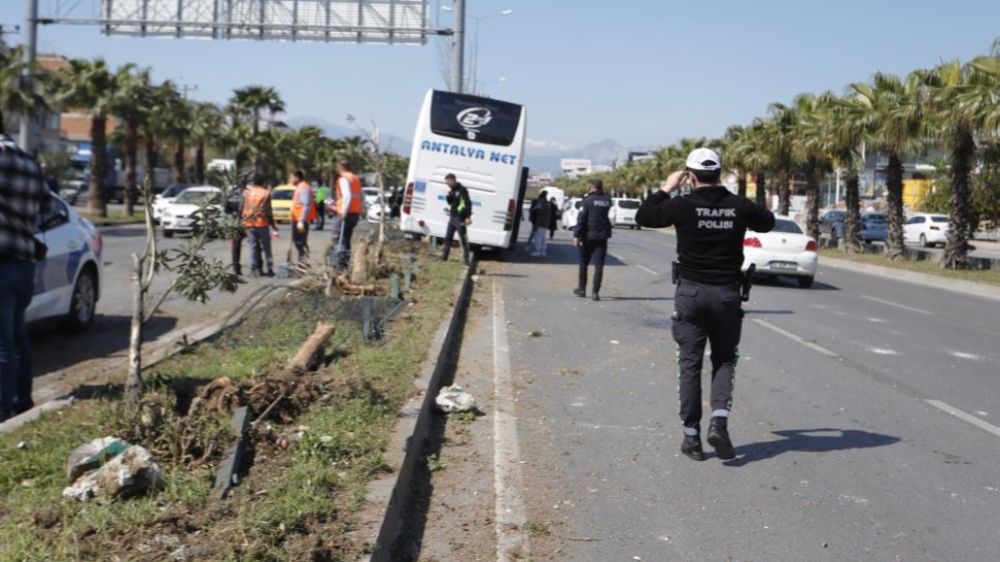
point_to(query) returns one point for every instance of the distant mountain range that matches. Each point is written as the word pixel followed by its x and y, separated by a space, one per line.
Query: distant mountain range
pixel 540 155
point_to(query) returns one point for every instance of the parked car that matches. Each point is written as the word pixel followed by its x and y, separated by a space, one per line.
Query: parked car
pixel 623 212
pixel 785 251
pixel 161 200
pixel 374 210
pixel 370 196
pixel 571 212
pixel 873 228
pixel 68 280
pixel 281 202
pixel 178 215
pixel 926 229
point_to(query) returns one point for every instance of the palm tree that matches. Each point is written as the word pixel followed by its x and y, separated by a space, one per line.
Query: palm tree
pixel 206 126
pixel 889 110
pixel 736 155
pixel 780 131
pixel 131 105
pixel 754 148
pixel 89 85
pixel 811 147
pixel 152 128
pixel 841 136
pixel 249 102
pixel 175 117
pixel 13 96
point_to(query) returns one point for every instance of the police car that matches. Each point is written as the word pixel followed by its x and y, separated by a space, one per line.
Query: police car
pixel 68 280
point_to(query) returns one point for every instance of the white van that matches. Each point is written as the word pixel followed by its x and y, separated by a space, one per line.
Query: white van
pixel 570 212
pixel 623 211
pixel 481 141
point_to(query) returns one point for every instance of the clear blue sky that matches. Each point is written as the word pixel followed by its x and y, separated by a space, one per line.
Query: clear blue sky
pixel 638 71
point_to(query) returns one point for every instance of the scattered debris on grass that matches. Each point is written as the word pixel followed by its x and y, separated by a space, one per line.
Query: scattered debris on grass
pixel 454 399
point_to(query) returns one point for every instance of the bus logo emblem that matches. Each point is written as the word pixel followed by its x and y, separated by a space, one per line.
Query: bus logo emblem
pixel 473 119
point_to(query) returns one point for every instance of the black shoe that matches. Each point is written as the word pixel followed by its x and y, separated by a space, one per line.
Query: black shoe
pixel 270 273
pixel 597 297
pixel 718 438
pixel 255 273
pixel 580 293
pixel 691 447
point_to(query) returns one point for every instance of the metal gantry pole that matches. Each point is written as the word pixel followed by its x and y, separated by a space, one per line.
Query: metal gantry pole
pixel 31 25
pixel 458 48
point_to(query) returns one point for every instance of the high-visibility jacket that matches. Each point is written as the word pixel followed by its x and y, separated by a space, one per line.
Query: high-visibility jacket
pixel 356 196
pixel 299 212
pixel 256 207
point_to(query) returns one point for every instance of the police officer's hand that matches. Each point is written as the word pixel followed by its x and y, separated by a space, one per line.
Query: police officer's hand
pixel 468 222
pixel 675 180
pixel 576 242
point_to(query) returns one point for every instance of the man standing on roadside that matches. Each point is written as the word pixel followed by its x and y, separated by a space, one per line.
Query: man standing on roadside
pixel 303 213
pixel 593 229
pixel 711 222
pixel 349 201
pixel 322 194
pixel 258 219
pixel 459 217
pixel 23 198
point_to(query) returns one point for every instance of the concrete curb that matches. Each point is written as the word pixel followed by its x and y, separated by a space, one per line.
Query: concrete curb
pixel 924 279
pixel 413 429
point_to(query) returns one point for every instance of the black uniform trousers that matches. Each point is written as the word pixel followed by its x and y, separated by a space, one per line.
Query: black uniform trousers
pixel 706 313
pixel 595 250
pixel 456 224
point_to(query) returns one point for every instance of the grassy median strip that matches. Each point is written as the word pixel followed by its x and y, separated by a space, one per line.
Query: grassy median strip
pixel 930 267
pixel 312 459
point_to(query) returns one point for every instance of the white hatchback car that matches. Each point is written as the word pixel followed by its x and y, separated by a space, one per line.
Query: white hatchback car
pixel 166 197
pixel 68 280
pixel 178 215
pixel 623 211
pixel 926 229
pixel 785 251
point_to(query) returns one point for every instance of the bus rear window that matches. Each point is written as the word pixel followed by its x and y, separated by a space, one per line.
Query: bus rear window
pixel 473 118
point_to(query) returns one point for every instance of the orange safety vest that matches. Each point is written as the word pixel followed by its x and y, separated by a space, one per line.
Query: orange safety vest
pixel 255 200
pixel 297 210
pixel 356 197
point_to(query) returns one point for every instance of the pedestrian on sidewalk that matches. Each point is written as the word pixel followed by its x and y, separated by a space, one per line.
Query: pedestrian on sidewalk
pixel 593 229
pixel 303 213
pixel 322 194
pixel 459 217
pixel 541 215
pixel 258 220
pixel 24 197
pixel 710 222
pixel 233 209
pixel 348 212
pixel 554 218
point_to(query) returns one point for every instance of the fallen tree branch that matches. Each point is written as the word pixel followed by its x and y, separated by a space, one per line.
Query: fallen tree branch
pixel 310 351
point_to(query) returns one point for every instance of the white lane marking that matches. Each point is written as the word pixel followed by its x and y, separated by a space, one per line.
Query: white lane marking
pixel 510 514
pixel 876 320
pixel 646 269
pixel 813 346
pixel 883 351
pixel 968 418
pixel 964 355
pixel 898 305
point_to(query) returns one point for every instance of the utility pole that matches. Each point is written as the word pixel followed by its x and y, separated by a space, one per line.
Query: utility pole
pixel 458 48
pixel 25 139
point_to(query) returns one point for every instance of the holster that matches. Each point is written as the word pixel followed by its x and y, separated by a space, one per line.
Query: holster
pixel 747 282
pixel 675 275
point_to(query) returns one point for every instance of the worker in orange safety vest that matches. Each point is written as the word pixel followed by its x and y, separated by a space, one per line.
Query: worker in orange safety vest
pixel 349 204
pixel 303 212
pixel 257 216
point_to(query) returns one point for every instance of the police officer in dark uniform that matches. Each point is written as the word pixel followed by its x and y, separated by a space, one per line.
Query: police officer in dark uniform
pixel 459 217
pixel 710 224
pixel 593 229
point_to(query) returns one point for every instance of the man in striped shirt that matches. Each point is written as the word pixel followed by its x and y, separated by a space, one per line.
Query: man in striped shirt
pixel 23 198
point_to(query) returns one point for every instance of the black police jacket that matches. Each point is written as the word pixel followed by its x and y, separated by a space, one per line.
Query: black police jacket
pixel 710 223
pixel 592 223
pixel 459 203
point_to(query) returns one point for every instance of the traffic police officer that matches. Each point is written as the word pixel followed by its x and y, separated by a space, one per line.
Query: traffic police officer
pixel 593 229
pixel 710 224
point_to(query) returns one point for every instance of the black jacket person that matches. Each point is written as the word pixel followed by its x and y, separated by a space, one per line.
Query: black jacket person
pixel 593 229
pixel 710 224
pixel 459 216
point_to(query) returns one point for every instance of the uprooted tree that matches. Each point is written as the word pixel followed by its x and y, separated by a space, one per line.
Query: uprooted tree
pixel 192 273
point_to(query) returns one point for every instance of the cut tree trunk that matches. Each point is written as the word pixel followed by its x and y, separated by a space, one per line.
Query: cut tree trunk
pixel 131 158
pixel 359 263
pixel 956 249
pixel 894 202
pixel 96 205
pixel 852 198
pixel 133 383
pixel 812 197
pixel 310 355
pixel 760 195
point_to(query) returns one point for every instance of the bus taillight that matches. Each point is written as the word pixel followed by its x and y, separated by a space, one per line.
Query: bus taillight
pixel 508 224
pixel 408 198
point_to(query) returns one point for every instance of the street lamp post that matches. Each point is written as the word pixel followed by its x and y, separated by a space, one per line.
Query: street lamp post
pixel 458 48
pixel 25 133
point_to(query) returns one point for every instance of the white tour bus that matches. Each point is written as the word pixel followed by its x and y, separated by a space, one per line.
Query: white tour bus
pixel 481 141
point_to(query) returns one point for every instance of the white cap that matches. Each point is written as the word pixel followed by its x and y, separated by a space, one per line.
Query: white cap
pixel 704 159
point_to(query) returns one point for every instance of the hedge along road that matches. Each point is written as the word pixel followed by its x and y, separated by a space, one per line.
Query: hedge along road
pixel 61 358
pixel 864 418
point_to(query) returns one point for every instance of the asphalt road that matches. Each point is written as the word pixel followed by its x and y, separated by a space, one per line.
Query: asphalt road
pixel 58 354
pixel 845 450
